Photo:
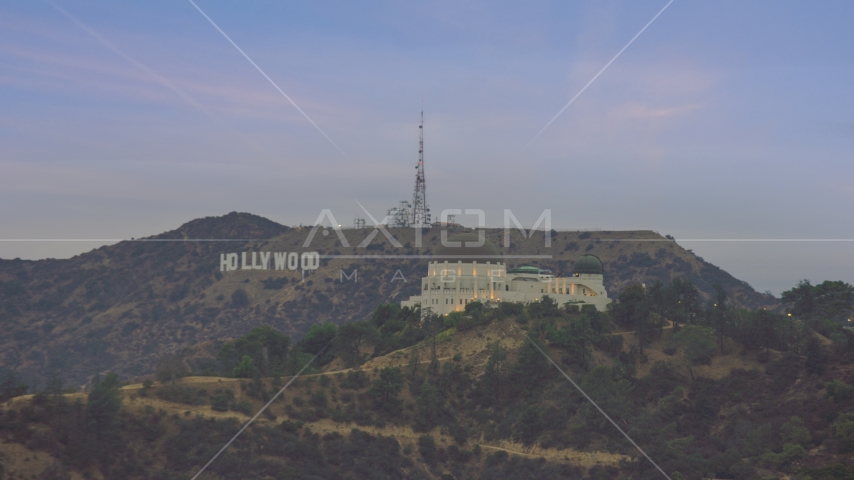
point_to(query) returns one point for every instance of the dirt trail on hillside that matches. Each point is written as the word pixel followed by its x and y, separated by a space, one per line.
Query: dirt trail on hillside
pixel 406 435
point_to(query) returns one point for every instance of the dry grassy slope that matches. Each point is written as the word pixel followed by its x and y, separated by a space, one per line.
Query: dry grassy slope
pixel 471 345
pixel 122 307
pixel 473 348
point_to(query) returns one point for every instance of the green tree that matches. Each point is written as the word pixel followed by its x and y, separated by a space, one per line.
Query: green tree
pixel 838 391
pixel 246 368
pixel 531 370
pixel 316 339
pixel 412 367
pixel 474 308
pixel 794 431
pixel 547 307
pixel 385 390
pixel 529 425
pixel 427 448
pixel 633 310
pixel 829 300
pixel 842 432
pixel 719 315
pixel 799 300
pixel 576 339
pixel 593 318
pixel 273 344
pixel 697 346
pixel 608 388
pixel 267 347
pixel 760 328
pixel 318 336
pixel 350 340
pixel 490 385
pixel 384 313
pixel 429 408
pixel 816 358
pixel 102 417
pixel 685 302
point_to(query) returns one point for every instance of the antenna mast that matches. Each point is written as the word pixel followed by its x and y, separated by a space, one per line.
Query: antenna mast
pixel 420 210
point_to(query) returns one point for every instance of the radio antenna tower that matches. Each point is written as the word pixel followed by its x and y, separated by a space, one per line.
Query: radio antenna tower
pixel 420 210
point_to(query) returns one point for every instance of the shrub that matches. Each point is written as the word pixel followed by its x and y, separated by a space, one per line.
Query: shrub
pixel 240 299
pixel 246 368
pixel 185 394
pixel 610 344
pixel 221 400
pixel 511 308
pixel 496 458
pixel 355 380
pixel 838 391
pixel 243 406
pixel 318 399
pixel 791 453
pixel 842 432
pixel 427 448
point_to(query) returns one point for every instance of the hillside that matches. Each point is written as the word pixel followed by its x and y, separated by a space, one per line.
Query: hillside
pixel 491 408
pixel 122 307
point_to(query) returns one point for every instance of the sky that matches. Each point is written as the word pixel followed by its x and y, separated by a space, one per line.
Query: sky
pixel 726 124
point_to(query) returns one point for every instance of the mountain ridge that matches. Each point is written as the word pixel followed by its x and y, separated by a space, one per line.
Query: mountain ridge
pixel 124 306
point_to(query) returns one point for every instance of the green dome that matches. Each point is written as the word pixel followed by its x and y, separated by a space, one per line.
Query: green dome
pixel 588 264
pixel 487 252
pixel 524 269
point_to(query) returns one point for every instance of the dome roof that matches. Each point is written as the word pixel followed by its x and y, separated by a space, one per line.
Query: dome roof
pixel 525 269
pixel 487 252
pixel 588 264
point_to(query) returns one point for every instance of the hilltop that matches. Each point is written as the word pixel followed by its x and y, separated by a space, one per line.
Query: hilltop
pixel 123 307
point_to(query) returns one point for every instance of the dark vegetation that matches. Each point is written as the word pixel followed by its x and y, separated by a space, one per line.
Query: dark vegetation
pixel 748 424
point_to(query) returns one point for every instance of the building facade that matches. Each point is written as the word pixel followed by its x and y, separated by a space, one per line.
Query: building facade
pixel 451 283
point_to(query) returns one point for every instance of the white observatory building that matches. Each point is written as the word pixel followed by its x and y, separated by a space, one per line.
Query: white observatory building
pixel 464 274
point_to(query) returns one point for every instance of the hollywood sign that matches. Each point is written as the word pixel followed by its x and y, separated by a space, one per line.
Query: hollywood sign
pixel 261 261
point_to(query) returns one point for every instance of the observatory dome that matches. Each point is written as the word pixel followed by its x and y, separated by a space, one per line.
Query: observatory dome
pixel 588 264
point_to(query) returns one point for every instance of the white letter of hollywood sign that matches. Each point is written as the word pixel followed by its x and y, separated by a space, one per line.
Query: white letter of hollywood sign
pixel 261 261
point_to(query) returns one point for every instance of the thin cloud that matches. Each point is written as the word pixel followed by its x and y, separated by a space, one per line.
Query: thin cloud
pixel 647 112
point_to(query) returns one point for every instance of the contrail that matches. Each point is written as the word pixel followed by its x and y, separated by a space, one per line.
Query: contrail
pixel 156 76
pixel 597 75
pixel 160 79
pixel 270 79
